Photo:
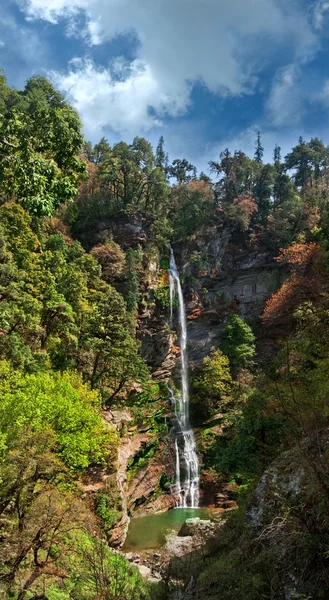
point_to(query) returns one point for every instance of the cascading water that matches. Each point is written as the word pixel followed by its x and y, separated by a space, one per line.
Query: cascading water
pixel 187 463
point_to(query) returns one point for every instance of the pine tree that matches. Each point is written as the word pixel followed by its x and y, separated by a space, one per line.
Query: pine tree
pixel 239 345
pixel 204 177
pixel 277 156
pixel 259 152
pixel 132 281
pixel 160 155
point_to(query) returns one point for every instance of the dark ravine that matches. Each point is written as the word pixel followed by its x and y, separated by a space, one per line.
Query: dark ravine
pixel 119 400
pixel 226 276
pixel 272 539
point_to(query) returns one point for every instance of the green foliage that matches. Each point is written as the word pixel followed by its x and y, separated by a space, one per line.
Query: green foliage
pixel 214 385
pixel 192 208
pixel 68 323
pixel 131 279
pixel 234 579
pixel 236 175
pixel 142 457
pixel 162 232
pixel 162 297
pixel 259 150
pixel 60 404
pixel 298 381
pixel 309 159
pixel 182 171
pixel 96 571
pixel 57 311
pixel 52 548
pixel 40 139
pixel 255 438
pixel 124 181
pixel 239 345
pixel 106 512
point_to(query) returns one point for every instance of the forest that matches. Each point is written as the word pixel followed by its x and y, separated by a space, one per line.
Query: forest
pixel 79 226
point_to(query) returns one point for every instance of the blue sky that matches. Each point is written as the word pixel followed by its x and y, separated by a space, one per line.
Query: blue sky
pixel 204 74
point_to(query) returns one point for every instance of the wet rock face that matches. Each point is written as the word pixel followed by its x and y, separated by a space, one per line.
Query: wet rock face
pixel 144 482
pixel 127 449
pixel 282 485
pixel 288 517
pixel 161 503
pixel 229 277
pixel 196 526
pixel 128 232
pixel 156 344
pixel 143 493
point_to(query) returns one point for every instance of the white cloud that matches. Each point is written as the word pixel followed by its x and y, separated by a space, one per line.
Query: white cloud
pixel 320 12
pixel 285 101
pixel 179 43
pixel 120 96
pixel 54 9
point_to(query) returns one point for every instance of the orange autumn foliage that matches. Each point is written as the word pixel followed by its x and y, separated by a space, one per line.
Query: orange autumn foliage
pixel 91 185
pixel 311 216
pixel 56 225
pixel 306 284
pixel 175 350
pixel 241 211
pixel 245 204
pixel 299 256
pixel 203 188
pixel 195 314
pixel 279 309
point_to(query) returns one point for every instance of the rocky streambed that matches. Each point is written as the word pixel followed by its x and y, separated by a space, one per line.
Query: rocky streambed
pixel 195 534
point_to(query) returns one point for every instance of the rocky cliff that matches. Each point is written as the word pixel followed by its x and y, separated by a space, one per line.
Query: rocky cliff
pixel 276 548
pixel 229 276
pixel 222 272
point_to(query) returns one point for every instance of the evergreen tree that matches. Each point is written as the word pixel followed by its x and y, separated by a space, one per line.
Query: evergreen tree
pixel 182 171
pixel 143 154
pixel 88 151
pixel 283 188
pixel 309 160
pixel 262 190
pixel 259 152
pixel 160 155
pixel 101 151
pixel 239 345
pixel 277 156
pixel 132 280
pixel 204 177
pixel 236 176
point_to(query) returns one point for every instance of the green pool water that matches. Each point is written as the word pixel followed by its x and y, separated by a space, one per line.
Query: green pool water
pixel 149 532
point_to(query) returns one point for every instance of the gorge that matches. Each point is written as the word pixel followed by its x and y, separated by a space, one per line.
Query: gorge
pixel 149 387
pixel 187 479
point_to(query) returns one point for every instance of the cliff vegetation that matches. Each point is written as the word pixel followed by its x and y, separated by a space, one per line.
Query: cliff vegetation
pixel 87 346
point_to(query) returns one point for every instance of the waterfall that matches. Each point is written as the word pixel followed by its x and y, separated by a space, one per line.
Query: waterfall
pixel 187 463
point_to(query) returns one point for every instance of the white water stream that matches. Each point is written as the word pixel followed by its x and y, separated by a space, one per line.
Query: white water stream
pixel 187 463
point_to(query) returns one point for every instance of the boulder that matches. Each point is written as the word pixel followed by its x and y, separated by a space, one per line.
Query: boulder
pixel 144 571
pixel 147 573
pixel 161 503
pixel 196 527
pixel 178 546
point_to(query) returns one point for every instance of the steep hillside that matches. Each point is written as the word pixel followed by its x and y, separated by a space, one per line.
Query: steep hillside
pixel 92 348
